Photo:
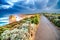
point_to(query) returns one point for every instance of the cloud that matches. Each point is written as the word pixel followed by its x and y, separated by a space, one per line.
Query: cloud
pixel 1 24
pixel 10 2
pixel 5 6
pixel 29 3
pixel 51 2
pixel 24 6
pixel 57 6
pixel 4 20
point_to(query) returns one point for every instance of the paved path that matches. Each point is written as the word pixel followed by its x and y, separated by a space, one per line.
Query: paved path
pixel 46 30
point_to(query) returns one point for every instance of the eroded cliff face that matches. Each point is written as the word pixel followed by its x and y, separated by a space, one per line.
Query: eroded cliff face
pixel 12 19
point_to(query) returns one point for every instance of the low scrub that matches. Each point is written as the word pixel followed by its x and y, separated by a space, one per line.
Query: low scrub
pixel 54 18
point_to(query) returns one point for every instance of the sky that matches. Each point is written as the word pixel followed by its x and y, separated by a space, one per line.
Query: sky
pixel 8 7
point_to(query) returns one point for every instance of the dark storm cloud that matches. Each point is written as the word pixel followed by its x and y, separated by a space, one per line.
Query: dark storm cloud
pixel 8 7
pixel 20 6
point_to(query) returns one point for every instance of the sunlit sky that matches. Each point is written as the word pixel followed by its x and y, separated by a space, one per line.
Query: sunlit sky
pixel 8 7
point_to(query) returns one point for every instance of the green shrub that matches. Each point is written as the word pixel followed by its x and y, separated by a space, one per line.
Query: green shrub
pixel 2 29
pixel 57 22
pixel 54 18
pixel 35 19
pixel 58 17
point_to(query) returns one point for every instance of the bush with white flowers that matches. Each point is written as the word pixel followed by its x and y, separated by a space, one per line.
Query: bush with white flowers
pixel 20 33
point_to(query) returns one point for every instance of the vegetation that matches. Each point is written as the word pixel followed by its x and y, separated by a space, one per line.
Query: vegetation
pixel 2 29
pixel 54 18
pixel 33 19
pixel 20 25
pixel 58 17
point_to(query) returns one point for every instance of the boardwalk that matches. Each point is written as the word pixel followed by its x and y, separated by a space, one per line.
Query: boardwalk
pixel 46 30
